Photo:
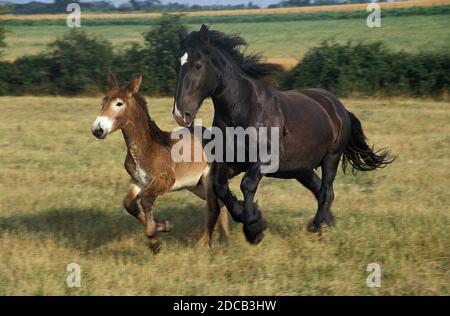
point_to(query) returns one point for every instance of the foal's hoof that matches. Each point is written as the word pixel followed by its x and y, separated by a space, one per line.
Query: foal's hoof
pixel 204 242
pixel 164 227
pixel 254 232
pixel 154 245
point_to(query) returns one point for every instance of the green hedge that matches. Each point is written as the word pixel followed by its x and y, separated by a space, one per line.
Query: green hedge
pixel 77 64
pixel 369 68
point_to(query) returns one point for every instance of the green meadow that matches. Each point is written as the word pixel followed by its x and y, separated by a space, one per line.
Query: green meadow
pixel 61 202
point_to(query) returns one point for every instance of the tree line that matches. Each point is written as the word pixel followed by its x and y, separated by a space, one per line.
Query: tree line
pixel 77 64
pixel 59 6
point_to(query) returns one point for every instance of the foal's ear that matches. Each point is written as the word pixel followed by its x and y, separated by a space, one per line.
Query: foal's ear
pixel 112 81
pixel 135 83
pixel 204 33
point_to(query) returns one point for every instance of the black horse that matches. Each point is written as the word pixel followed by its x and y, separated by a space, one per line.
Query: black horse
pixel 315 128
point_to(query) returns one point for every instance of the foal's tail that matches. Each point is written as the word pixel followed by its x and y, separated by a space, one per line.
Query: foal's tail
pixel 359 154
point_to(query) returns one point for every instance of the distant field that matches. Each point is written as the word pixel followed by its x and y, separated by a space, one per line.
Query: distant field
pixel 283 42
pixel 311 9
pixel 61 202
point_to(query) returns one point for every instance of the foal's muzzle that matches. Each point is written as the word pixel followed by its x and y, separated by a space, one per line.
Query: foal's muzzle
pixel 99 132
pixel 101 127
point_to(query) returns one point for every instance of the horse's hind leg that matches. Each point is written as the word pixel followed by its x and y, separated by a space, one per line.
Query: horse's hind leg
pixel 326 194
pixel 311 181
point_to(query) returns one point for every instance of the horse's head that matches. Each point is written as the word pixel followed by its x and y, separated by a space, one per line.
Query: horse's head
pixel 197 75
pixel 117 106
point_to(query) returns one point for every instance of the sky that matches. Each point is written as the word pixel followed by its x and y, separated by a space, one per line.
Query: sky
pixel 261 3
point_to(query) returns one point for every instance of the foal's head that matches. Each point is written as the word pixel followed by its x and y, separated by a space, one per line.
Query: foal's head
pixel 117 106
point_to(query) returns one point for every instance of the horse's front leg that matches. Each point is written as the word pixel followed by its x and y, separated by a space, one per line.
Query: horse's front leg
pixel 157 187
pixel 222 175
pixel 254 223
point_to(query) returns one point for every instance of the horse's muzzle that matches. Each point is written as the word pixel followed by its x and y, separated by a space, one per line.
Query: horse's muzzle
pixel 184 120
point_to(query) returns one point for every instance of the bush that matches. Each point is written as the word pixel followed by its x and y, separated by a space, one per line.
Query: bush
pixel 78 63
pixel 369 68
pixel 2 39
pixel 156 59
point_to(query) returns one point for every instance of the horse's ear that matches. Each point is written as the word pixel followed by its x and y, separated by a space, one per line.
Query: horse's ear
pixel 204 33
pixel 112 81
pixel 135 83
pixel 182 35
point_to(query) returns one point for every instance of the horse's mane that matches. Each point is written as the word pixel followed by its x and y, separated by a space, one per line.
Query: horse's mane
pixel 251 64
pixel 162 137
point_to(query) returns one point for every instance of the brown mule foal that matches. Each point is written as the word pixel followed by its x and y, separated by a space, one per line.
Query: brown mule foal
pixel 150 165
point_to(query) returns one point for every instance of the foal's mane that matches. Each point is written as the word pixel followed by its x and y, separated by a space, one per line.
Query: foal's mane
pixel 251 64
pixel 162 137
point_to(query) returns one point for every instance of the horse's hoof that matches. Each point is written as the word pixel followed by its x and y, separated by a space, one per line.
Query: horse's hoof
pixel 254 233
pixel 330 220
pixel 312 228
pixel 155 245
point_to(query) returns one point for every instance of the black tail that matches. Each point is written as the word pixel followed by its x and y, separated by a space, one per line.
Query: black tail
pixel 359 155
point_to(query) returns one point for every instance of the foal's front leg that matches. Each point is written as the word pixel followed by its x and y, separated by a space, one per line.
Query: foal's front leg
pixel 130 202
pixel 160 185
pixel 254 223
pixel 131 205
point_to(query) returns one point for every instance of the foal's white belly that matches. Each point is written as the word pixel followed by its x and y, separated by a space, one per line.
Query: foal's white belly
pixel 186 182
pixel 143 178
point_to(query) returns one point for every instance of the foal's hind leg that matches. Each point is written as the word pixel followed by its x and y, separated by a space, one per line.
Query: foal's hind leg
pixel 326 194
pixel 216 212
pixel 223 225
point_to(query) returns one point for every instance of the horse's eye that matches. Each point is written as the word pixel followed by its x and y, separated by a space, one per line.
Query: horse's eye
pixel 197 66
pixel 119 104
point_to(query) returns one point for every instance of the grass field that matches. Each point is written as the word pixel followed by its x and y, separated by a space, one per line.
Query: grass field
pixel 61 203
pixel 283 42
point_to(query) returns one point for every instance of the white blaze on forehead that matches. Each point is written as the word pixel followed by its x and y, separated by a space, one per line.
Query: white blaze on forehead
pixel 184 58
pixel 105 123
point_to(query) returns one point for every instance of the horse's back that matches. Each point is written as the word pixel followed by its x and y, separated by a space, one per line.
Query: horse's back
pixel 312 124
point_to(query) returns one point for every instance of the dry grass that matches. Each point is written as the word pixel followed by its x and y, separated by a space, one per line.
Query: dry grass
pixel 312 9
pixel 61 203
